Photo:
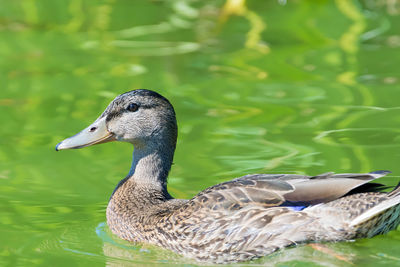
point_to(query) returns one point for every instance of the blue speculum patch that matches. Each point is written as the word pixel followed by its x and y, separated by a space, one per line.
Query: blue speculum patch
pixel 297 208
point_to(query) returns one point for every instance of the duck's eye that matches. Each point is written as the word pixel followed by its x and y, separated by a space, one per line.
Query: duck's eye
pixel 132 107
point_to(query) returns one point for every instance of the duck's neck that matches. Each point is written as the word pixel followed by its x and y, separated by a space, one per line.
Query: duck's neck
pixel 147 178
pixel 151 165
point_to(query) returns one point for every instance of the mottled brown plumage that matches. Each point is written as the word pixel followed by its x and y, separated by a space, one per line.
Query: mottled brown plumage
pixel 238 220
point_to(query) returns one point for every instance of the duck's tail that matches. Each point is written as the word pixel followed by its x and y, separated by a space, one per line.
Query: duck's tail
pixel 381 218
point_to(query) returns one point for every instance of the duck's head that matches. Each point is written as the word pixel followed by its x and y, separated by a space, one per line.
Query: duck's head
pixel 141 117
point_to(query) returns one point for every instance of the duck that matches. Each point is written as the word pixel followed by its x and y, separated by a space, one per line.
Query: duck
pixel 234 221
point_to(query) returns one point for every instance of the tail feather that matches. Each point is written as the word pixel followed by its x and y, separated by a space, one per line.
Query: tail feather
pixel 381 218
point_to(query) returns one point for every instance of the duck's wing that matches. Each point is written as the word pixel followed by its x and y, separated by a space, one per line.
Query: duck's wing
pixel 270 190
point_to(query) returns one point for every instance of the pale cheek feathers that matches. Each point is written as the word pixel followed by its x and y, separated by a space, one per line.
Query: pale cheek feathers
pixel 131 129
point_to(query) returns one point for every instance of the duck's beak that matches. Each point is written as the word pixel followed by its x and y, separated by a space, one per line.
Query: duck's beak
pixel 96 133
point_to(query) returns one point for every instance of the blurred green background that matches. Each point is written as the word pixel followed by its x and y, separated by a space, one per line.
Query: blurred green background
pixel 258 87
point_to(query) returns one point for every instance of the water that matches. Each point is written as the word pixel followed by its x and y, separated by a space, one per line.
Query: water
pixel 258 87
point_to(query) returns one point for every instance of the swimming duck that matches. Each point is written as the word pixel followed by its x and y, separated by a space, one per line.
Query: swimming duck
pixel 238 220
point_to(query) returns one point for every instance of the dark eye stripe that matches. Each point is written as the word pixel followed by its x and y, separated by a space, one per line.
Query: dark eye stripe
pixel 148 106
pixel 115 114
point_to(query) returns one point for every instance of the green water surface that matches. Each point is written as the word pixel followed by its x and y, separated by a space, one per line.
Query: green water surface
pixel 258 86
